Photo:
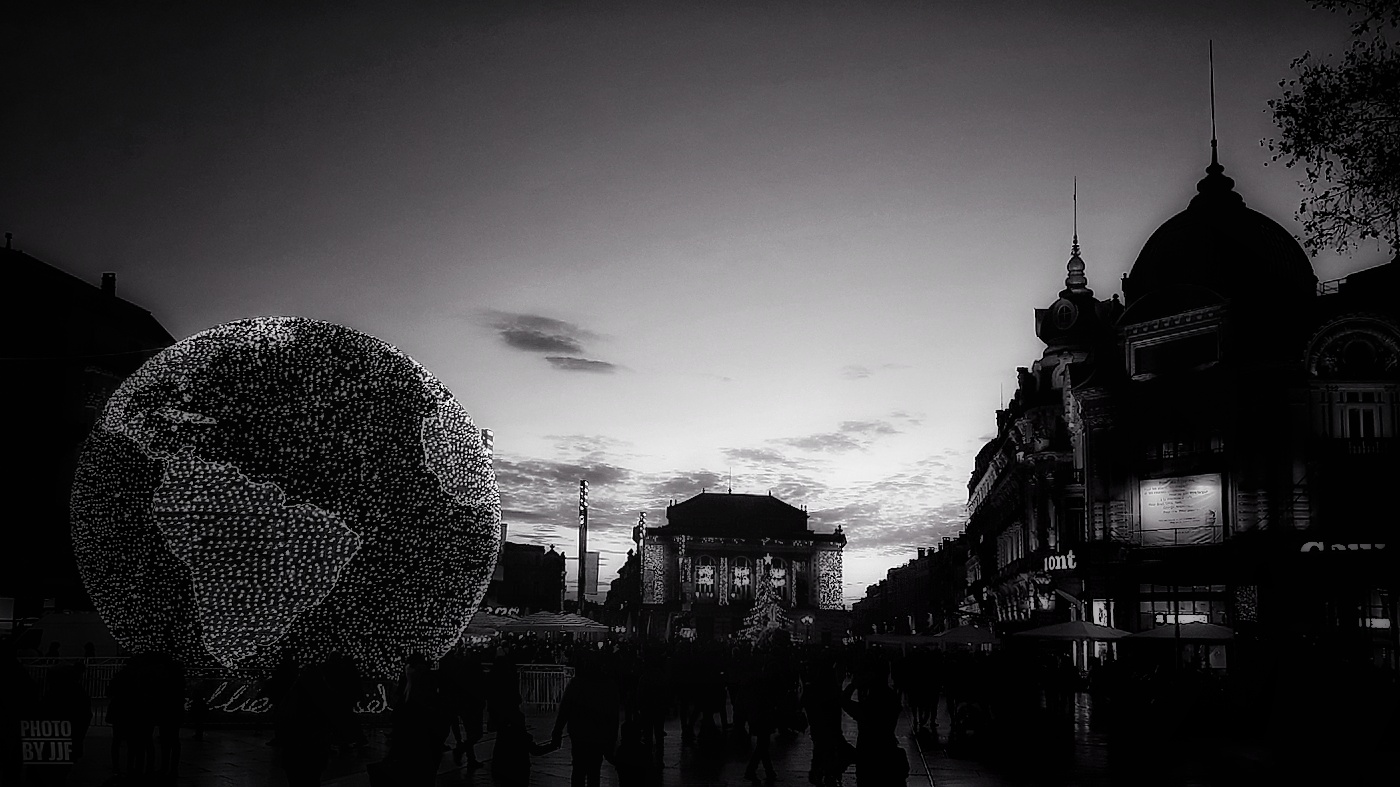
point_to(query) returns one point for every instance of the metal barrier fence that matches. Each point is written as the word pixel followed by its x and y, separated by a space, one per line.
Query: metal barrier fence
pixel 541 685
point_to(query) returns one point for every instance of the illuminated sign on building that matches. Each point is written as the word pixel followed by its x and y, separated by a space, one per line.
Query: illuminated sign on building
pixel 1167 618
pixel 1060 562
pixel 1181 511
pixel 1322 546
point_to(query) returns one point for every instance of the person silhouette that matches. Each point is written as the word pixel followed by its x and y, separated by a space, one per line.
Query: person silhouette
pixel 304 727
pixel 589 709
pixel 420 724
pixel 879 759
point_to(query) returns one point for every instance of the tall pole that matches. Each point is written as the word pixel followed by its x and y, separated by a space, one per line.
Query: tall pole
pixel 582 540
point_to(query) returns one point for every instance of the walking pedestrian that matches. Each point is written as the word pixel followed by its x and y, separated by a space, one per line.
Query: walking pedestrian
pixel 589 710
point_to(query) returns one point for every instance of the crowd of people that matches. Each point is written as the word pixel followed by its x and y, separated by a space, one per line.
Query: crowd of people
pixel 731 699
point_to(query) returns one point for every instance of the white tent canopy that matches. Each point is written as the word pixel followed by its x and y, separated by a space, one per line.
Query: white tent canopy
pixel 553 622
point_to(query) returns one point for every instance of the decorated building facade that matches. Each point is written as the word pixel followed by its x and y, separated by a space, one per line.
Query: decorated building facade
pixel 702 570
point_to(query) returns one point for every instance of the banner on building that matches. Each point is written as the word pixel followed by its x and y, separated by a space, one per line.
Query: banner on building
pixel 590 575
pixel 1181 511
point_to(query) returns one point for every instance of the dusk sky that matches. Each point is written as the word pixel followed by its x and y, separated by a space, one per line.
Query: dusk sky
pixel 653 244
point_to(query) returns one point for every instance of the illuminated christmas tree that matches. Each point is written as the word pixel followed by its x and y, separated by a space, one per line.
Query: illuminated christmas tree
pixel 767 613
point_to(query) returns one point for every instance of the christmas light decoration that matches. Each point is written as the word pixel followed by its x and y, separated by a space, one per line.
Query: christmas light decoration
pixel 654 573
pixel 829 579
pixel 767 612
pixel 284 484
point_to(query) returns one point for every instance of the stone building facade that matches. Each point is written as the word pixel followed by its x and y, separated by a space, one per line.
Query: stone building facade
pixel 701 569
pixel 1215 448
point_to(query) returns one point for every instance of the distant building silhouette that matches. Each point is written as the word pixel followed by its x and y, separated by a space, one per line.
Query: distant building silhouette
pixel 701 569
pixel 622 606
pixel 527 577
pixel 925 595
pixel 68 344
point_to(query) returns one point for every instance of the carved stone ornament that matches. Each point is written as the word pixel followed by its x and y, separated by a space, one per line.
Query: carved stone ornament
pixel 1355 348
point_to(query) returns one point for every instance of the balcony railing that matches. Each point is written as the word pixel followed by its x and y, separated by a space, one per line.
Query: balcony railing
pixel 1177 536
pixel 1359 446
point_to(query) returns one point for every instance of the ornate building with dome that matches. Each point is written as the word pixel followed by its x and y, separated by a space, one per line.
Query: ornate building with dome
pixel 1217 448
pixel 701 570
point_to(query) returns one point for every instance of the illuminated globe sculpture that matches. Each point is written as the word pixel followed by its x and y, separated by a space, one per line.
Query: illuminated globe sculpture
pixel 281 484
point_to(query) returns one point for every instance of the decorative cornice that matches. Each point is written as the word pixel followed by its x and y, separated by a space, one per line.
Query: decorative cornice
pixel 1174 321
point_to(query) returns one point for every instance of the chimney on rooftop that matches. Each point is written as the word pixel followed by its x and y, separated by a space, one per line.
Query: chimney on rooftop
pixel 922 551
pixel 109 284
pixel 8 237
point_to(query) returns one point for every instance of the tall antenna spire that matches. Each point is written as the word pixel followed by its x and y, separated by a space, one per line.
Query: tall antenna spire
pixel 1210 55
pixel 1075 282
pixel 1215 188
pixel 1074 247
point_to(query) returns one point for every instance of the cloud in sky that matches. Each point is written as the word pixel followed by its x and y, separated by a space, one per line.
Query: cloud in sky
pixel 569 364
pixel 536 333
pixel 834 442
pixel 762 457
pixel 849 436
pixel 860 372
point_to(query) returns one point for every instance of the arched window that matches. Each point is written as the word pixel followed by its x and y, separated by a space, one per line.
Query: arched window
pixel 742 586
pixel 705 577
pixel 778 574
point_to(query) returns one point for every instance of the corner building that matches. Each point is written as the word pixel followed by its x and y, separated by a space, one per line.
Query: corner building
pixel 1215 448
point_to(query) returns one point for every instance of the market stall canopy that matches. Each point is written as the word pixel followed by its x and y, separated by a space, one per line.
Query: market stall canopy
pixel 486 620
pixel 967 635
pixel 900 639
pixel 1073 630
pixel 554 621
pixel 1189 632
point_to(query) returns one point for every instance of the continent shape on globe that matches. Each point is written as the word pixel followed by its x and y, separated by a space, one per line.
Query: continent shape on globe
pixel 284 484
pixel 255 563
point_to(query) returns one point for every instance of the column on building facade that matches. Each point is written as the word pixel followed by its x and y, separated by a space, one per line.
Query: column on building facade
pixel 722 584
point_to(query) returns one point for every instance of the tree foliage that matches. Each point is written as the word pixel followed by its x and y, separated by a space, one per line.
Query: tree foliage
pixel 1340 122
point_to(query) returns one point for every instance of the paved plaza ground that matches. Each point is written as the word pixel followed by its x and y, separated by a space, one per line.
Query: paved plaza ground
pixel 242 758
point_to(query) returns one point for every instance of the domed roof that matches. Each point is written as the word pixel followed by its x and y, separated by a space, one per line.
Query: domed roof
pixel 1220 243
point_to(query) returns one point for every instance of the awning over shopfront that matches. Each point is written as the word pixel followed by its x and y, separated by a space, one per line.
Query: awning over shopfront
pixel 1074 630
pixel 1188 632
pixel 967 635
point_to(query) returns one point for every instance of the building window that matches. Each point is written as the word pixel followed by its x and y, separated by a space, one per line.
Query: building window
pixel 1356 414
pixel 743 579
pixel 778 574
pixel 1361 422
pixel 705 577
pixel 1375 614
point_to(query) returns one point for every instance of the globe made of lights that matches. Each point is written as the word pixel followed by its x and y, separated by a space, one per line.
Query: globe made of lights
pixel 280 485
